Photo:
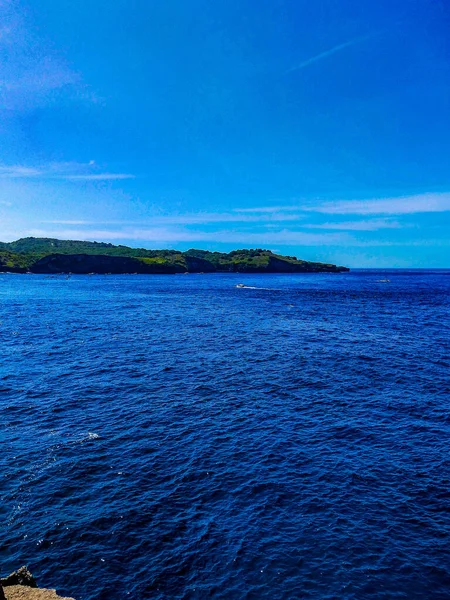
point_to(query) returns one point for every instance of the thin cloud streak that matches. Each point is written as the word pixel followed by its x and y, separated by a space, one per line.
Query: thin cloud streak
pixel 31 73
pixel 396 205
pixel 163 237
pixel 266 209
pixel 267 220
pixel 187 219
pixel 420 203
pixel 18 172
pixel 365 225
pixel 168 235
pixel 64 170
pixel 74 222
pixel 330 52
pixel 98 177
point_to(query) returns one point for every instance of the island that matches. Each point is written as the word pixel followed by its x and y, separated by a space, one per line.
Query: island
pixel 54 256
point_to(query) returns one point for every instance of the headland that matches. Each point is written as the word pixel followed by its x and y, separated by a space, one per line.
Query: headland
pixel 53 256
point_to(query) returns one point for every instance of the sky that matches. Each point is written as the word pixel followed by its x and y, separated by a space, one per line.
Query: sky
pixel 317 129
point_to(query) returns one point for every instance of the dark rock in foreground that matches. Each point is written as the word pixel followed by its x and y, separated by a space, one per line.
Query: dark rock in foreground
pixel 20 577
pixel 21 585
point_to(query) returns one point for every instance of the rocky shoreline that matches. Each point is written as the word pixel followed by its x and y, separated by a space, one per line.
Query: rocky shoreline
pixel 21 585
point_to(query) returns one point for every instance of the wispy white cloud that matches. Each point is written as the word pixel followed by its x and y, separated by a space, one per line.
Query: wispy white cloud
pixel 31 72
pixel 202 218
pixel 99 177
pixel 207 218
pixel 69 222
pixel 330 52
pixel 18 171
pixel 363 225
pixel 5 203
pixel 266 209
pixel 171 235
pixel 395 205
pixel 61 170
pixel 420 203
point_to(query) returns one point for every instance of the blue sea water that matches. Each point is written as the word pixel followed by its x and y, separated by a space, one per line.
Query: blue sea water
pixel 176 437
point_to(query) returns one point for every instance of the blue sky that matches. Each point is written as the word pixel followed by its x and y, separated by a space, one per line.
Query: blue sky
pixel 319 129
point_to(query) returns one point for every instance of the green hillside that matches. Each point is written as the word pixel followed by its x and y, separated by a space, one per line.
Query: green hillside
pixel 15 262
pixel 52 255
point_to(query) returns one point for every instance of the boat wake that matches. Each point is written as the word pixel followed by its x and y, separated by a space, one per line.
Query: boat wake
pixel 253 287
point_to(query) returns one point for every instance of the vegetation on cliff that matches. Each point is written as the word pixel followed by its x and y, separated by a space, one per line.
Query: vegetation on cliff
pixel 15 262
pixel 47 255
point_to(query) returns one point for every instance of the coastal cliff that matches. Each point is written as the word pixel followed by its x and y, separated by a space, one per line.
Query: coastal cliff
pixel 52 256
pixel 80 264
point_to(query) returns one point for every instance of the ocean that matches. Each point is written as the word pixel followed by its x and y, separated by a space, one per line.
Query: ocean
pixel 177 437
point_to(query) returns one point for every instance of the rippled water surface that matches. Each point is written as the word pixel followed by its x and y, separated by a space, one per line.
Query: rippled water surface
pixel 178 437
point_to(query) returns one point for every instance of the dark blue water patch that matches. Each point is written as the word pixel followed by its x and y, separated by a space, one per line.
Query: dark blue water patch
pixel 178 437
